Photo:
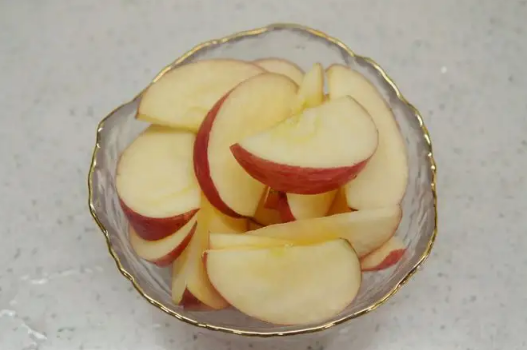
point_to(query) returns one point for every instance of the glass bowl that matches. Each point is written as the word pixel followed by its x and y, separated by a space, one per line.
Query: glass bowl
pixel 303 46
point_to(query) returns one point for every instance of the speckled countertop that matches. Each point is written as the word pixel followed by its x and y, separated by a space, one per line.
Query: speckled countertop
pixel 65 64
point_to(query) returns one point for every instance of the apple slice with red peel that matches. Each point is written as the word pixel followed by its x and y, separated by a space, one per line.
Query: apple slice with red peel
pixel 384 257
pixel 281 66
pixel 188 272
pixel 163 251
pixel 311 90
pixel 157 188
pixel 182 97
pixel 254 105
pixel 236 240
pixel 383 181
pixel 289 285
pixel 313 152
pixel 264 215
pixel 304 206
pixel 340 204
pixel 366 230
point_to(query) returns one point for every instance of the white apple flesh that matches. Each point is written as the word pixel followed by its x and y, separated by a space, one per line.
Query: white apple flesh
pixel 281 66
pixel 304 206
pixel 236 240
pixel 182 97
pixel 287 285
pixel 220 222
pixel 310 91
pixel 383 181
pixel 188 272
pixel 366 230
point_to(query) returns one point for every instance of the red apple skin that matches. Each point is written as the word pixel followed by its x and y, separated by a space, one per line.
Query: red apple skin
pixel 294 179
pixel 284 209
pixel 153 229
pixel 191 303
pixel 390 260
pixel 201 162
pixel 174 254
pixel 271 201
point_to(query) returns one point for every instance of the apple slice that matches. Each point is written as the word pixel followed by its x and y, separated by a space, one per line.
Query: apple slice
pixel 384 257
pixel 311 90
pixel 188 272
pixel 366 230
pixel 256 104
pixel 264 215
pixel 340 204
pixel 220 222
pixel 383 181
pixel 313 152
pixel 289 285
pixel 182 97
pixel 236 240
pixel 163 251
pixel 155 183
pixel 304 206
pixel 281 66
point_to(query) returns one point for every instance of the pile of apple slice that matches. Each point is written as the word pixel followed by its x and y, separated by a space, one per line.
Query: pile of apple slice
pixel 262 192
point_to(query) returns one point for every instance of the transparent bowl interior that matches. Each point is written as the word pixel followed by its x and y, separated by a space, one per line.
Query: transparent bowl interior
pixel 304 49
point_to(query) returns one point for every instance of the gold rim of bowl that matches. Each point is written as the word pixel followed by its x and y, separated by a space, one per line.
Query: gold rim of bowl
pixel 305 330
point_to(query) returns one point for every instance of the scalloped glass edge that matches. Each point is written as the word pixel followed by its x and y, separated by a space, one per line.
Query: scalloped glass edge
pixel 187 56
